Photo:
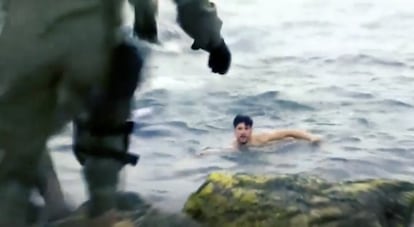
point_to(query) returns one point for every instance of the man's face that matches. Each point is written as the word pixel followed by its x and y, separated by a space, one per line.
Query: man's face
pixel 243 133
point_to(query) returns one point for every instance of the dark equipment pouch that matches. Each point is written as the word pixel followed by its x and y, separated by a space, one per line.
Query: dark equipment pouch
pixel 103 143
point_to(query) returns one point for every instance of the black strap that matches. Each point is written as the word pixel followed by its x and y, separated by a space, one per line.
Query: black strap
pixel 125 129
pixel 122 156
pixel 125 158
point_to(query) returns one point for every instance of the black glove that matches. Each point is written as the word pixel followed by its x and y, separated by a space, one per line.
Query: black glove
pixel 220 58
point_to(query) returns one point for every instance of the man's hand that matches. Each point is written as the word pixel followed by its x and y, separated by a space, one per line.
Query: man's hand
pixel 315 140
pixel 220 58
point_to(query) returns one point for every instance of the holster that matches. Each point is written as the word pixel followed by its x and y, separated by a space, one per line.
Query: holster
pixel 103 142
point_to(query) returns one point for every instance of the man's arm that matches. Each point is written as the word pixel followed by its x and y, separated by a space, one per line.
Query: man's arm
pixel 145 23
pixel 199 19
pixel 289 133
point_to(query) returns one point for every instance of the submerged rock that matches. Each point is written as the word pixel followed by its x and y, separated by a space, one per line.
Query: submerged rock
pixel 295 200
pixel 134 212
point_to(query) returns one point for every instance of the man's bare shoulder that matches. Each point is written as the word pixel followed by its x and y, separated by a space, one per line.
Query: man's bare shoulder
pixel 260 138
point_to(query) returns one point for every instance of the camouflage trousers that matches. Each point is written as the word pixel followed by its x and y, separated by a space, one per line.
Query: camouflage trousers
pixel 56 67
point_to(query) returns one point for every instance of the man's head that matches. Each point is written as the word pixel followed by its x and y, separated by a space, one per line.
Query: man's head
pixel 242 128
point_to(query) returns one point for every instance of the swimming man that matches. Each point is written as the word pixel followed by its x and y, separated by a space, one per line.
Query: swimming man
pixel 244 137
pixel 243 132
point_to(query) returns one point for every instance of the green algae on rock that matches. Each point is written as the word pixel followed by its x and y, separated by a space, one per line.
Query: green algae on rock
pixel 296 200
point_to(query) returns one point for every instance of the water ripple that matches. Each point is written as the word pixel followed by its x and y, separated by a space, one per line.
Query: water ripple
pixel 365 59
pixel 266 102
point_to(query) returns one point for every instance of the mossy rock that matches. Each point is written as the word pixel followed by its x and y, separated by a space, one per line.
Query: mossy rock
pixel 300 201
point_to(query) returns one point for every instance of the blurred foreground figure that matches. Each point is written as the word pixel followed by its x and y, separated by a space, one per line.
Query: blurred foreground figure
pixel 69 60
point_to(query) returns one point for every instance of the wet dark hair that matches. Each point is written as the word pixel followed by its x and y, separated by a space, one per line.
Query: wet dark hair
pixel 247 120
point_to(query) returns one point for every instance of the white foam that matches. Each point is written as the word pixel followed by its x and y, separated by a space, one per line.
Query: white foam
pixel 141 113
pixel 128 13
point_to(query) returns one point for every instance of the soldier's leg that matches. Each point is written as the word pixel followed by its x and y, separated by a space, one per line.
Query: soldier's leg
pixel 19 160
pixel 145 23
pixel 50 189
pixel 101 135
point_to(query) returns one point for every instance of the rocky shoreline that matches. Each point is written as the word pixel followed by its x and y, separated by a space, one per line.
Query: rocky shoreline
pixel 242 199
